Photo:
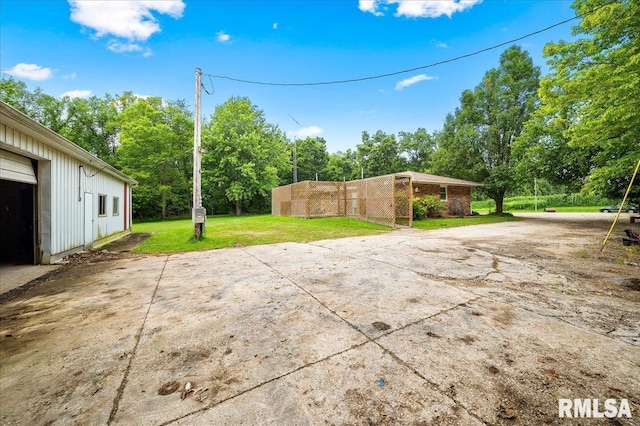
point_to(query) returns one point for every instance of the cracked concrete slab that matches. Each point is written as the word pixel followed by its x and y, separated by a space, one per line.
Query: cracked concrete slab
pixel 461 326
pixel 516 363
pixel 365 385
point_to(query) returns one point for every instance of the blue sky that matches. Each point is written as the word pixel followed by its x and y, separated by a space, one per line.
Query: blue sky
pixel 83 48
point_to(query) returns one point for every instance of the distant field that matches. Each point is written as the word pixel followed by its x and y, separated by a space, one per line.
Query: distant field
pixel 567 209
pixel 567 203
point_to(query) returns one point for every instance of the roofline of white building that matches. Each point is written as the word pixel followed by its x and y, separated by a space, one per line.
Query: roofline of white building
pixel 22 122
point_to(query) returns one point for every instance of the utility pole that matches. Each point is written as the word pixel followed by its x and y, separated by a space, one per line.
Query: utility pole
pixel 295 152
pixel 198 213
pixel 295 160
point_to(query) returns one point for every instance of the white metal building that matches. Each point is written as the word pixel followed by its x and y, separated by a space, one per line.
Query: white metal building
pixel 55 197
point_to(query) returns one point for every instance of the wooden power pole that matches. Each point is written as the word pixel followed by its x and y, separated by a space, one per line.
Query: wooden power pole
pixel 198 213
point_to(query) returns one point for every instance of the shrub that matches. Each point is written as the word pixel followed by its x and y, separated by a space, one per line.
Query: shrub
pixel 427 206
pixel 419 211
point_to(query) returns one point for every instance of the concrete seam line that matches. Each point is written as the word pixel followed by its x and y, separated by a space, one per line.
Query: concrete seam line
pixel 558 317
pixel 432 384
pixel 354 346
pixel 415 371
pixel 308 293
pixel 259 385
pixel 123 384
pixel 418 321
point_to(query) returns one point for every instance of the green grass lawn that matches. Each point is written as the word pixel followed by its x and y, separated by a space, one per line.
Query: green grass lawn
pixel 231 231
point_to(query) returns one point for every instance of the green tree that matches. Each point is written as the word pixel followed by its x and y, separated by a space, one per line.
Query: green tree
pixel 476 142
pixel 16 93
pixel 243 153
pixel 89 123
pixel 543 151
pixel 417 147
pixel 93 124
pixel 312 158
pixel 380 154
pixel 156 149
pixel 342 166
pixel 592 93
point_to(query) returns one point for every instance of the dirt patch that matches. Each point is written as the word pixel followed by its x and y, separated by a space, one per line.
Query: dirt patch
pixel 126 243
pixel 632 283
pixel 381 326
pixel 169 388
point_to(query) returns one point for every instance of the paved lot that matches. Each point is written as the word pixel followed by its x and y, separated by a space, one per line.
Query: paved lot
pixel 468 326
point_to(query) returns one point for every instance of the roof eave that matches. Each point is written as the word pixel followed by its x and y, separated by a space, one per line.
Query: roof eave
pixel 29 126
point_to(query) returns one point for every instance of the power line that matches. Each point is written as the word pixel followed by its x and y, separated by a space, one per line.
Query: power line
pixel 434 64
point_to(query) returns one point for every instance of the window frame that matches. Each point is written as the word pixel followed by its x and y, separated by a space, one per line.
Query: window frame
pixel 115 208
pixel 446 193
pixel 102 205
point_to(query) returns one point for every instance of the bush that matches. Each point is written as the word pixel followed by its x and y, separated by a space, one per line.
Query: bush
pixel 427 206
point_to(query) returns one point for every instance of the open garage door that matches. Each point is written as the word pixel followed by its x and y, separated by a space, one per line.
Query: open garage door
pixel 17 209
pixel 16 168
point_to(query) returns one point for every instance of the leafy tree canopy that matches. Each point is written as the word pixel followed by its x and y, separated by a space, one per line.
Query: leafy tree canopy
pixel 591 97
pixel 476 141
pixel 243 153
pixel 312 158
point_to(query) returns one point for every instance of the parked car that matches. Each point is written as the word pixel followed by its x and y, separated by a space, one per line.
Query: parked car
pixel 631 208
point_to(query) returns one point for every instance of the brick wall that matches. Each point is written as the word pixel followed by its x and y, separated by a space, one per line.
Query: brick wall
pixel 459 200
pixel 458 197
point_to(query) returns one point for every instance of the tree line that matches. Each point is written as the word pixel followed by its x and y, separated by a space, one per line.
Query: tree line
pixel 575 129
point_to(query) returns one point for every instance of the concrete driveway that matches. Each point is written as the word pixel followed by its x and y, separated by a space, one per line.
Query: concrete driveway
pixel 468 326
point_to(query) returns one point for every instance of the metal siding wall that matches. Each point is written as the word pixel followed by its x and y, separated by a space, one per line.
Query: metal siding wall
pixel 67 212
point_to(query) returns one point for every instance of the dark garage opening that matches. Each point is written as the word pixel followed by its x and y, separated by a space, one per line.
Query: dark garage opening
pixel 17 237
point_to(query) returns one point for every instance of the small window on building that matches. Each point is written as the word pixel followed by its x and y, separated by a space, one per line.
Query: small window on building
pixel 443 193
pixel 116 206
pixel 102 205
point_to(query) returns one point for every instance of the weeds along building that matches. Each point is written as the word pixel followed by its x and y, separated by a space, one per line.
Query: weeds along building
pixel 55 197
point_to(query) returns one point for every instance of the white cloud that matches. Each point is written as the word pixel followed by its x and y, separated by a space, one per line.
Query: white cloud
pixel 275 25
pixel 309 131
pixel 440 44
pixel 129 19
pixel 72 94
pixel 370 6
pixel 30 72
pixel 413 80
pixel 222 37
pixel 119 47
pixel 71 76
pixel 419 8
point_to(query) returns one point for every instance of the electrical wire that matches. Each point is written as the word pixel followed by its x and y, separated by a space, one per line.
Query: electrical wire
pixel 434 64
pixel 94 174
pixel 213 87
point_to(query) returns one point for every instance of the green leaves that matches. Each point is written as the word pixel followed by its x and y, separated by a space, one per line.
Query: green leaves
pixel 156 140
pixel 594 84
pixel 243 155
pixel 476 141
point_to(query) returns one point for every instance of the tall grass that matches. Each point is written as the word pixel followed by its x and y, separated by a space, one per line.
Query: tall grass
pixel 545 201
